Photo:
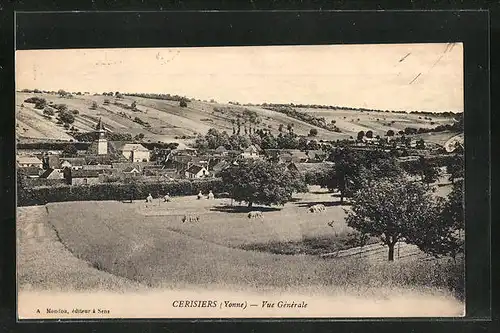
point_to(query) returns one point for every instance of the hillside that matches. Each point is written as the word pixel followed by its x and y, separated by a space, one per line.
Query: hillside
pixel 166 121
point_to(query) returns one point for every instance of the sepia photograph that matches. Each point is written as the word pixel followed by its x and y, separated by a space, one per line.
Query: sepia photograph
pixel 304 181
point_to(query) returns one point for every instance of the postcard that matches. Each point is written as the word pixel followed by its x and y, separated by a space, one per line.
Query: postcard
pixel 319 181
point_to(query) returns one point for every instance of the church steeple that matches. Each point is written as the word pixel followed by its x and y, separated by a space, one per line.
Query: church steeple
pixel 102 142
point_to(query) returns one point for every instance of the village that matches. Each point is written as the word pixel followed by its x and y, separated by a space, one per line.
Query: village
pixel 106 161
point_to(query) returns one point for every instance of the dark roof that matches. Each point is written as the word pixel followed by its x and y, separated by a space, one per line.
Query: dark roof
pixel 30 171
pixel 46 173
pixel 84 173
pixel 194 169
pixel 75 161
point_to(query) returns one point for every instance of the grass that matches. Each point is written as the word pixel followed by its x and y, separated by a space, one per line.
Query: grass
pixel 309 245
pixel 113 237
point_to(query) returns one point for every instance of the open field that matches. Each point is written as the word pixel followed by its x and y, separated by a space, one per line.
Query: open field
pixel 169 122
pixel 159 251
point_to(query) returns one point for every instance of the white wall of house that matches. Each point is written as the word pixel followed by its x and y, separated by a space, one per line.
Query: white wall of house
pixel 135 155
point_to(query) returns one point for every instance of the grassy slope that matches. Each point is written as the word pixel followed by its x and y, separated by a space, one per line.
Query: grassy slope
pixel 116 238
pixel 44 263
pixel 168 120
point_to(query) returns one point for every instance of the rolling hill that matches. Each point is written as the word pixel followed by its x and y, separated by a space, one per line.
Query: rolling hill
pixel 166 121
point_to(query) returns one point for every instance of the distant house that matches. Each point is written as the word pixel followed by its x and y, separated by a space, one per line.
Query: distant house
pixel 316 155
pixel 222 165
pixel 51 162
pixel 31 171
pixel 196 171
pixel 74 163
pixel 52 174
pixel 135 152
pixel 221 151
pixel 83 177
pixel 253 151
pixel 131 171
pixel 292 167
pixel 29 161
pixel 293 155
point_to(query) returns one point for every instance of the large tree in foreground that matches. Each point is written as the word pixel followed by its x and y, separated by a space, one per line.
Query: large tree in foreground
pixel 392 208
pixel 261 182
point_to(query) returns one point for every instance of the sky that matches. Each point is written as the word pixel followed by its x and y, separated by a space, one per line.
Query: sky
pixel 424 77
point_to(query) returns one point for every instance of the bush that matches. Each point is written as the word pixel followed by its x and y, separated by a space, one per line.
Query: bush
pixel 183 104
pixel 313 132
pixel 113 191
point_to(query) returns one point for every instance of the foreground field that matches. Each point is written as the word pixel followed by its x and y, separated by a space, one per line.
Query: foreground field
pixel 150 246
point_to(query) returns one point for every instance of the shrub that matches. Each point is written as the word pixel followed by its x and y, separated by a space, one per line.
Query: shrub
pixel 113 191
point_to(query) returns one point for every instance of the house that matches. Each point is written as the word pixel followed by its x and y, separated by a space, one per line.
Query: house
pixel 316 155
pixel 293 155
pixel 221 151
pixel 292 167
pixel 74 163
pixel 217 168
pixel 29 161
pixel 52 174
pixel 135 152
pixel 253 151
pixel 83 177
pixel 31 171
pixel 131 171
pixel 196 171
pixel 51 162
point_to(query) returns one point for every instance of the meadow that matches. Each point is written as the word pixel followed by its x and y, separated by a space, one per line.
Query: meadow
pixel 128 246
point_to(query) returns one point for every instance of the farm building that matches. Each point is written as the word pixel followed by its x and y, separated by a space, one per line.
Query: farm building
pixel 135 152
pixel 253 151
pixel 196 171
pixel 31 171
pixel 52 174
pixel 131 171
pixel 29 161
pixel 221 151
pixel 83 177
pixel 74 163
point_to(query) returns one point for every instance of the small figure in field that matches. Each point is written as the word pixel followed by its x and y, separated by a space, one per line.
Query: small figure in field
pixel 210 195
pixel 166 198
pixel 149 198
pixel 200 196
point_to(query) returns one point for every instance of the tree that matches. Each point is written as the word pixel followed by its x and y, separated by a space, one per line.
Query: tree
pixel 261 182
pixel 48 111
pixel 455 167
pixel 183 103
pixel 134 105
pixel 391 209
pixel 313 132
pixel 75 112
pixel 67 117
pixel 360 136
pixel 106 101
pixel 369 134
pixel 280 128
pixel 444 237
pixel 69 151
pixel 390 133
pixel 94 105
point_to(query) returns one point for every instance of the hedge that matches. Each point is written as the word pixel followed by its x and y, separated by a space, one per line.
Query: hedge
pixel 112 191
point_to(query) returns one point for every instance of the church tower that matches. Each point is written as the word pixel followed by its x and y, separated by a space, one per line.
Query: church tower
pixel 102 142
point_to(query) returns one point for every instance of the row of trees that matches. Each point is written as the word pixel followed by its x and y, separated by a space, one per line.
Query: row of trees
pixel 261 137
pixel 384 201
